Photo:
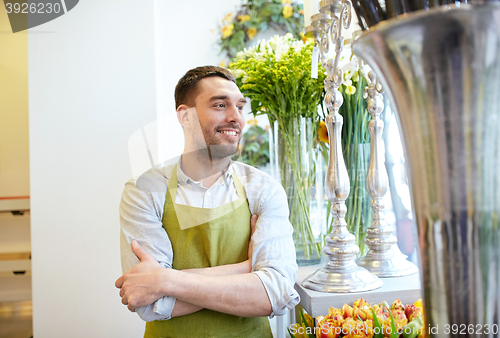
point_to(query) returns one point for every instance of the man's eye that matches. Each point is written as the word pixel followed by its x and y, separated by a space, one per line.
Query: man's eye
pixel 220 105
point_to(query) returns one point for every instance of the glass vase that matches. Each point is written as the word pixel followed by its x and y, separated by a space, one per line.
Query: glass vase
pixel 443 79
pixel 359 212
pixel 297 163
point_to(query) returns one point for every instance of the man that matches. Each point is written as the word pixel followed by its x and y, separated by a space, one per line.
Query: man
pixel 208 267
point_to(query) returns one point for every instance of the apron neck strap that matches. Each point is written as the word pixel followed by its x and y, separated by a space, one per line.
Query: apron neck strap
pixel 172 186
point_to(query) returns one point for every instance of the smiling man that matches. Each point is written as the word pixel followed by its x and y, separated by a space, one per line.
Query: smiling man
pixel 206 243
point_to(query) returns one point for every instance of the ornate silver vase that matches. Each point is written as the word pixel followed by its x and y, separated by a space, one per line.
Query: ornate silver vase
pixel 441 69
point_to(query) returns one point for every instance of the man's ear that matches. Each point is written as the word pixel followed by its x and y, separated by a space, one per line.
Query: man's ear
pixel 183 115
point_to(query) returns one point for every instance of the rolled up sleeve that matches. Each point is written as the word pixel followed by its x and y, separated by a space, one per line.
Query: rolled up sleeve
pixel 141 211
pixel 273 250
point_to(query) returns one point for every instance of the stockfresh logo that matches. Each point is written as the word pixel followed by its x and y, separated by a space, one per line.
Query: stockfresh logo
pixel 27 14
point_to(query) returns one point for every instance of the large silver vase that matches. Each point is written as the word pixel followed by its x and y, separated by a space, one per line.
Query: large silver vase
pixel 442 71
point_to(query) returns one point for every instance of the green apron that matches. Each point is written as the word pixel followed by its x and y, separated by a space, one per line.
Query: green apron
pixel 219 240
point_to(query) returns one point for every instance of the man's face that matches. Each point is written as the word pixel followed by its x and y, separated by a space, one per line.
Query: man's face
pixel 219 106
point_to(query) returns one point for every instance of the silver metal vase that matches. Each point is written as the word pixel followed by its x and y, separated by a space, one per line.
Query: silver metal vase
pixel 441 69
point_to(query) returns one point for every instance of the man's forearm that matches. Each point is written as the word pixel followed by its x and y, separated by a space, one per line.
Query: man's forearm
pixel 241 294
pixel 224 270
pixel 182 308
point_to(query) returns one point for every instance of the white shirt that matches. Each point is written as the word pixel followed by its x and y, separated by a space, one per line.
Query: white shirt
pixel 141 211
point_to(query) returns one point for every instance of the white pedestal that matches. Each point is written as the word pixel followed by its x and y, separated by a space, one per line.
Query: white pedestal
pixel 407 289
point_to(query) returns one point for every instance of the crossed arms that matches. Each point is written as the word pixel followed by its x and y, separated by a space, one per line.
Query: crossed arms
pixel 228 288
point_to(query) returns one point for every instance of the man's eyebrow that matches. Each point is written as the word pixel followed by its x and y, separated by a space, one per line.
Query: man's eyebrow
pixel 224 97
pixel 218 97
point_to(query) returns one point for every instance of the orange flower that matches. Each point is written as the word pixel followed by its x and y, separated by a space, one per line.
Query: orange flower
pixel 305 38
pixel 326 328
pixel 323 133
pixel 412 312
pixel 346 309
pixel 360 303
pixel 397 306
pixel 287 11
pixel 353 328
pixel 301 12
pixel 251 32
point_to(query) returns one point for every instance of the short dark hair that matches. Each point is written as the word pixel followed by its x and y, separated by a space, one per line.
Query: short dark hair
pixel 185 91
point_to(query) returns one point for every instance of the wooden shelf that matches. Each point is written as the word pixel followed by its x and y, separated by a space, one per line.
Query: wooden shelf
pixel 15 287
pixel 407 289
pixel 10 262
pixel 18 203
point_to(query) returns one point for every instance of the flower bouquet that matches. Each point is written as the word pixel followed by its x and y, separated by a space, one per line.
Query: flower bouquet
pixel 364 320
pixel 256 16
pixel 276 76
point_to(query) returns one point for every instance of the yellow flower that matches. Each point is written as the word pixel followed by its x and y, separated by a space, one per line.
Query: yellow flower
pixel 227 17
pixel 227 30
pixel 323 135
pixel 253 122
pixel 223 63
pixel 309 320
pixel 287 11
pixel 251 32
pixel 299 331
pixel 350 90
pixel 243 18
pixel 286 2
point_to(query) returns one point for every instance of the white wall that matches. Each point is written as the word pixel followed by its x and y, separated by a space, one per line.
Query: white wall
pixel 91 85
pixel 186 37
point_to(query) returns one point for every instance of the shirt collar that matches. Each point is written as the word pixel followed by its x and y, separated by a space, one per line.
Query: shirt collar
pixel 185 179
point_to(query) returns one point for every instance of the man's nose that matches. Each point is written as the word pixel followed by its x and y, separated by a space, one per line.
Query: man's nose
pixel 233 114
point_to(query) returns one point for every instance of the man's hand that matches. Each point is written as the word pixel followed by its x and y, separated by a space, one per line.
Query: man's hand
pixel 141 285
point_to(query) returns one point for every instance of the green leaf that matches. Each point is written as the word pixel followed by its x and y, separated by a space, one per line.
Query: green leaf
pixel 304 321
pixel 290 333
pixel 394 330
pixel 415 327
pixel 252 147
pixel 376 324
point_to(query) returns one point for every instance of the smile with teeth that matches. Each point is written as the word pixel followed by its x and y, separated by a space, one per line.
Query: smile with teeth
pixel 228 132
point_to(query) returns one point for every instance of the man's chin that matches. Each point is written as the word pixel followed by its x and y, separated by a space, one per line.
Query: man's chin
pixel 222 151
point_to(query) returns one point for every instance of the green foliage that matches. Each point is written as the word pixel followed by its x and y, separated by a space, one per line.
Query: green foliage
pixel 376 324
pixel 255 147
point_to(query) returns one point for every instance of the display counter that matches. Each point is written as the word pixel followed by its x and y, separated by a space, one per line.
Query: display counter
pixel 407 289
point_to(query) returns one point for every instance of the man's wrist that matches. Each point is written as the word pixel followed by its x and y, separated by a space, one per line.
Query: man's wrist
pixel 166 282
